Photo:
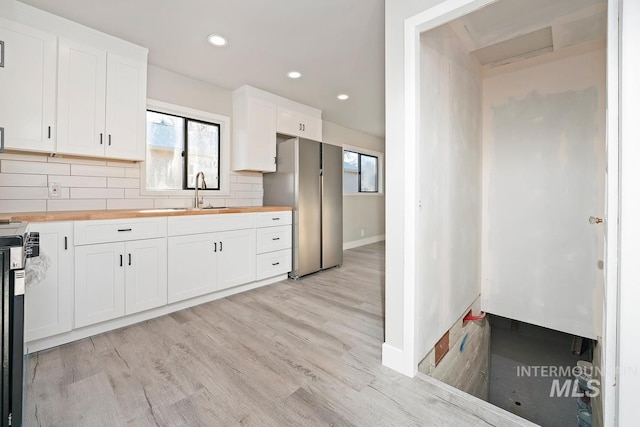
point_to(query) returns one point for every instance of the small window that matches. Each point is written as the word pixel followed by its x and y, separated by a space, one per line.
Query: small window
pixel 360 172
pixel 178 148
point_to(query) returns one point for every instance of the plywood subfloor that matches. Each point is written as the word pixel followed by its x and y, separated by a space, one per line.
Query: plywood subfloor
pixel 296 353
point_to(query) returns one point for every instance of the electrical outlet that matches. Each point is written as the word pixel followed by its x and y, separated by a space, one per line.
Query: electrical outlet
pixel 54 190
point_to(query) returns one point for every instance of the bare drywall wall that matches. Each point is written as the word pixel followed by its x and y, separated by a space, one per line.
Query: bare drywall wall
pixel 543 136
pixel 448 226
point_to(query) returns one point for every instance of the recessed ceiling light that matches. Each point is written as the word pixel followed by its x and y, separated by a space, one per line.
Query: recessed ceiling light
pixel 216 40
pixel 343 96
pixel 294 74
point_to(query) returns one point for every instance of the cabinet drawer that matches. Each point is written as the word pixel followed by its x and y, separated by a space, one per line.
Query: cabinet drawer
pixel 273 219
pixel 118 230
pixel 273 264
pixel 196 224
pixel 273 238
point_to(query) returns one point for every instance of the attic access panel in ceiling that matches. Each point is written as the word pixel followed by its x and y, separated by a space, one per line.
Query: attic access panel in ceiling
pixel 515 49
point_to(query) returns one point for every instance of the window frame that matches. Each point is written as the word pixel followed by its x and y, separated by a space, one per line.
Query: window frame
pixel 380 173
pixel 224 124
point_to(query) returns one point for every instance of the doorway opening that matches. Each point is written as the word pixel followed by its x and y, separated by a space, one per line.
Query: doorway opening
pixel 510 166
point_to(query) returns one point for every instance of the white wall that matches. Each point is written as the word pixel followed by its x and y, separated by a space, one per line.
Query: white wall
pixel 449 165
pixel 360 211
pixel 544 155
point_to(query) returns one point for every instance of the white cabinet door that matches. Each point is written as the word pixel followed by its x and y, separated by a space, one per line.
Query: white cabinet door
pixel 192 266
pixel 99 283
pixel 81 99
pixel 125 108
pixel 27 87
pixel 254 134
pixel 146 274
pixel 236 257
pixel 48 304
pixel 101 103
pixel 294 123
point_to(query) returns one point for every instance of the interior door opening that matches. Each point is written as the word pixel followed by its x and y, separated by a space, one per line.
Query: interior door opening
pixel 510 168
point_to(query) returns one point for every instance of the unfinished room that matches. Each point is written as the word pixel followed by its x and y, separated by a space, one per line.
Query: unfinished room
pixel 510 186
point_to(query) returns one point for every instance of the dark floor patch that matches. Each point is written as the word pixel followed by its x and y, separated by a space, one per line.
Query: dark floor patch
pixel 523 359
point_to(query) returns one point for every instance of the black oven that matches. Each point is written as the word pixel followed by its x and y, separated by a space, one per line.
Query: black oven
pixel 16 245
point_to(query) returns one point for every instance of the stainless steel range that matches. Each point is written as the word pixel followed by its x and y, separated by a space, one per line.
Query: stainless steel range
pixel 16 245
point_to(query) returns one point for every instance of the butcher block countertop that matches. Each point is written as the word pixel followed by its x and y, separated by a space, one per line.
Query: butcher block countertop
pixel 132 213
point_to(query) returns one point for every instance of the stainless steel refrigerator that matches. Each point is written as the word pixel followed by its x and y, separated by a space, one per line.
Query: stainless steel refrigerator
pixel 308 177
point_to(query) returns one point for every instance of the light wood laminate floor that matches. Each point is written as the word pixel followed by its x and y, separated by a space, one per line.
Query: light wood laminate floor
pixel 296 353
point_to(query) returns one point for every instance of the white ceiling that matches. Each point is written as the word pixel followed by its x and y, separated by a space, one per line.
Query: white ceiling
pixel 337 45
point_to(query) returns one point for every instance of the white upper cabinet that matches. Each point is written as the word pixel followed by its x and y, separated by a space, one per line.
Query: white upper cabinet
pixel 101 103
pixel 257 117
pixel 70 89
pixel 291 122
pixel 27 87
pixel 254 130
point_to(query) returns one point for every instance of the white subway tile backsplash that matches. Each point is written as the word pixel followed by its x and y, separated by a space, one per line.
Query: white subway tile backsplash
pixel 76 161
pixel 97 193
pixel 22 180
pixel 89 170
pixel 94 184
pixel 19 166
pixel 129 203
pixel 249 179
pixel 76 205
pixel 237 186
pixel 172 203
pixel 123 183
pixel 246 194
pixel 7 206
pixel 23 193
pixel 131 173
pixel 79 181
pixel 26 157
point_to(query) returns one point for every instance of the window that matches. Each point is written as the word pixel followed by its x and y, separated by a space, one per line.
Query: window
pixel 178 148
pixel 360 172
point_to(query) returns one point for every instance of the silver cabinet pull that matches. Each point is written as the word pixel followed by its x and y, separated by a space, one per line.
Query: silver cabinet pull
pixel 120 260
pixel 275 219
pixel 109 139
pixel 65 243
pixel 49 132
pixel 129 259
pixel 215 246
pixel 101 139
pixel 1 54
pixel 275 238
pixel 275 263
pixel 1 140
pixel 220 246
pixel 123 229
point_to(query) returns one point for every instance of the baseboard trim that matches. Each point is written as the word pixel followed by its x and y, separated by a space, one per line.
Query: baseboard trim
pixel 395 358
pixel 362 242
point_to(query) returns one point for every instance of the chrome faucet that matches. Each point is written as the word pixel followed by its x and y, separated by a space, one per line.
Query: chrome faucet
pixel 199 200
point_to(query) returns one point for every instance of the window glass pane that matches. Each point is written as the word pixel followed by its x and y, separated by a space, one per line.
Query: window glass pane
pixel 350 161
pixel 165 140
pixel 368 173
pixel 202 153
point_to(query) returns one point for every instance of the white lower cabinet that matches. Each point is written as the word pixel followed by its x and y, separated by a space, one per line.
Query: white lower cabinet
pixel 204 263
pixel 99 287
pixel 49 303
pixel 192 266
pixel 236 258
pixel 145 275
pixel 114 279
